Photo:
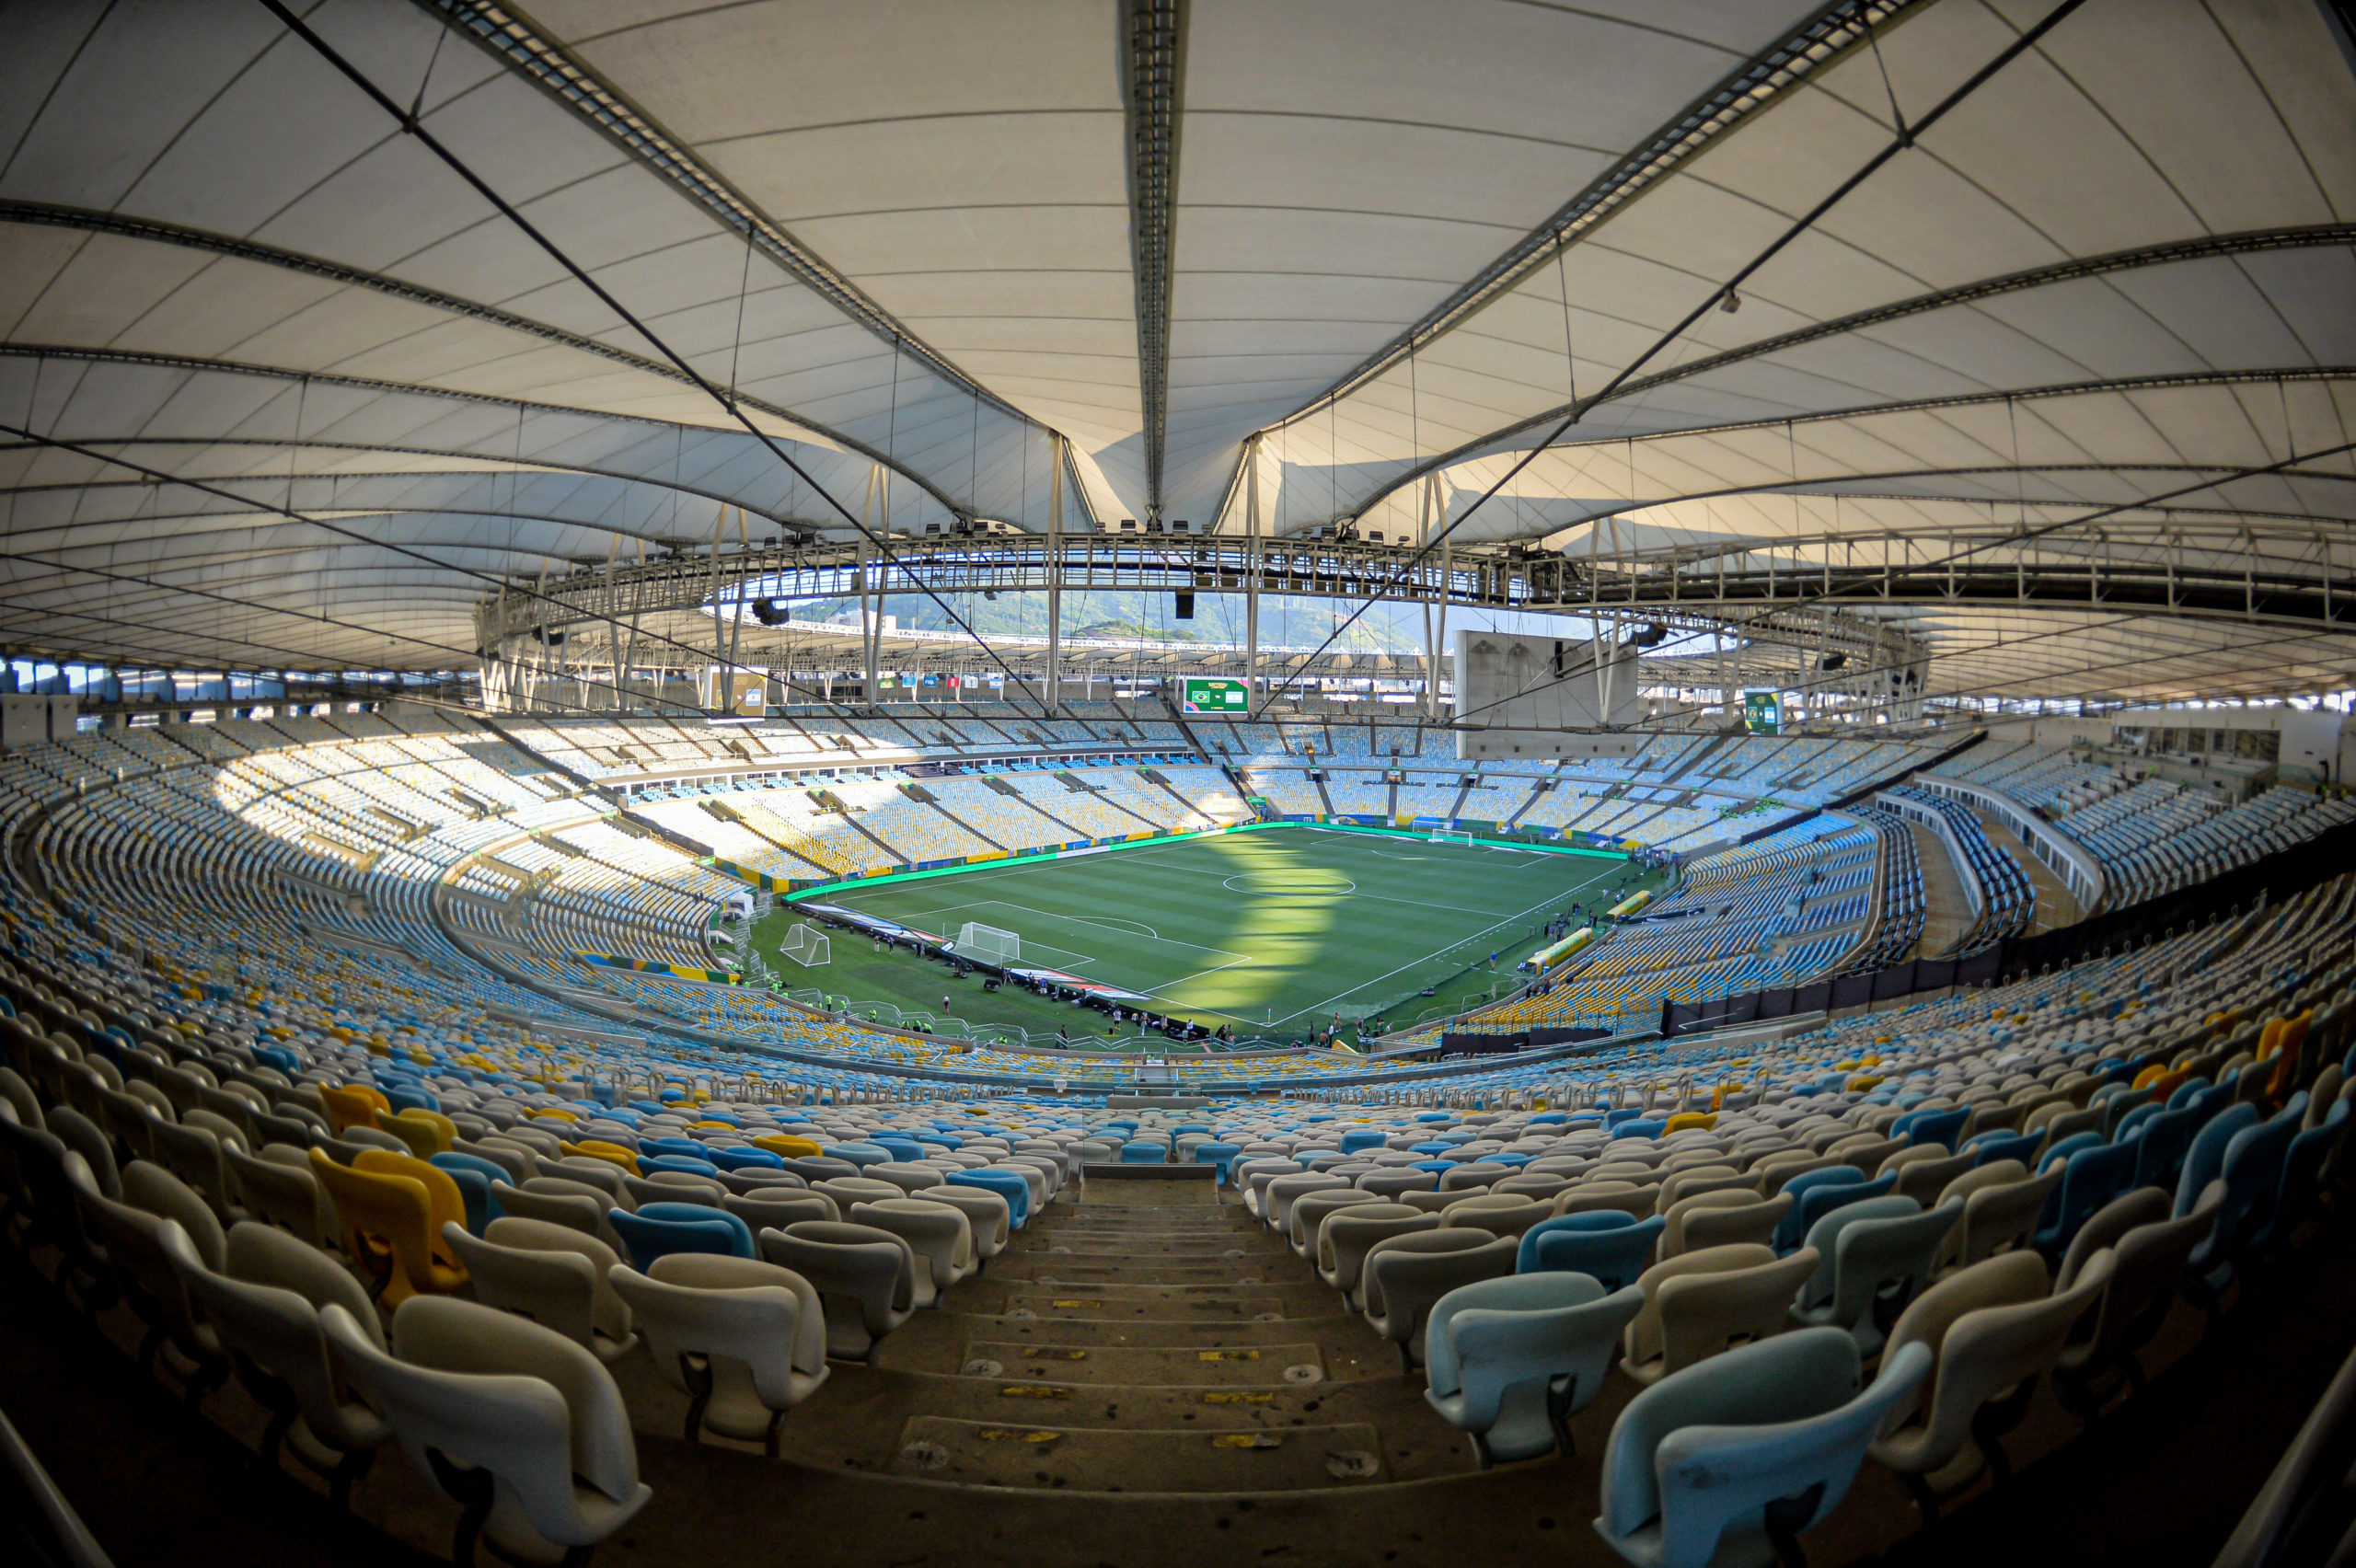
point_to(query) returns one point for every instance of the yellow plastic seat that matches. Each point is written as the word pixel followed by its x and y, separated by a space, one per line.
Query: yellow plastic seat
pixel 789 1146
pixel 1684 1119
pixel 422 1136
pixel 391 1223
pixel 597 1149
pixel 353 1105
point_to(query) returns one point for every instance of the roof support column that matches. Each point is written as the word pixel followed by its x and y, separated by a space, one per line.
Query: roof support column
pixel 1056 461
pixel 871 593
pixel 1252 564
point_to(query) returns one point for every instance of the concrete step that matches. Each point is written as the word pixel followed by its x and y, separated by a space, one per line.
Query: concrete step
pixel 1106 1271
pixel 1298 1363
pixel 1160 1303
pixel 1067 1458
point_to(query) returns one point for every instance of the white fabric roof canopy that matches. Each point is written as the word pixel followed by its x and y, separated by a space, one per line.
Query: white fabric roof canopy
pixel 2113 274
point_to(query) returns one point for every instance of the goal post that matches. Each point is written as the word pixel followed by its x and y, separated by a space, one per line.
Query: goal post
pixel 977 941
pixel 806 945
pixel 1452 836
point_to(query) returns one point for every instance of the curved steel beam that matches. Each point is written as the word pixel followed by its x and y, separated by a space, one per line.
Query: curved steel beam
pixel 1488 445
pixel 512 39
pixel 44 214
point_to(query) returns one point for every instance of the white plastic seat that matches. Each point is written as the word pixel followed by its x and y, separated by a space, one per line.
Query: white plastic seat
pixel 1873 1258
pixel 865 1279
pixel 1309 1213
pixel 1992 1328
pixel 265 1309
pixel 988 1217
pixel 277 1187
pixel 1348 1235
pixel 516 1424
pixel 1405 1275
pixel 554 1274
pixel 1510 1360
pixel 746 1339
pixel 940 1239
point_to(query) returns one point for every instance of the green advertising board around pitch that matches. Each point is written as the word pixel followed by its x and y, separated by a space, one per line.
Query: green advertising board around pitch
pixel 1208 694
pixel 1762 712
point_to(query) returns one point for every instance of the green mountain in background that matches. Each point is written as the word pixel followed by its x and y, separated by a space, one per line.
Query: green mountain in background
pixel 1133 616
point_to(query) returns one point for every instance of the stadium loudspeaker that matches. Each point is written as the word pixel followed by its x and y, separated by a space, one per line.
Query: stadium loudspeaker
pixel 768 612
pixel 1181 604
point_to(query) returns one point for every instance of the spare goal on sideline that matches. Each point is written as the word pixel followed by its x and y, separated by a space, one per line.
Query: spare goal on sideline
pixel 1452 836
pixel 977 941
pixel 806 945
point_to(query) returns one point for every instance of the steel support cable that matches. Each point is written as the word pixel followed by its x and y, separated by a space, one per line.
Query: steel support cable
pixel 1821 596
pixel 353 535
pixel 1970 84
pixel 307 618
pixel 411 126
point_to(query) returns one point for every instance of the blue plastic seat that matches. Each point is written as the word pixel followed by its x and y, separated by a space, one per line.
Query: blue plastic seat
pixel 2252 1171
pixel 2060 1152
pixel 657 1230
pixel 1941 1127
pixel 1143 1153
pixel 2139 1115
pixel 900 1148
pixel 681 1148
pixel 733 1159
pixel 2205 1160
pixel 680 1164
pixel 1731 1459
pixel 1822 1198
pixel 473 1178
pixel 1433 1148
pixel 1006 1184
pixel 1641 1129
pixel 2093 1177
pixel 1358 1139
pixel 1223 1154
pixel 408 1097
pixel 2301 1190
pixel 1799 1186
pixel 2160 1140
pixel 1611 1255
pixel 1990 1147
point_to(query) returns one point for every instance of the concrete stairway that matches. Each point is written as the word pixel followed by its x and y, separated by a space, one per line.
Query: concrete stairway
pixel 1144 1335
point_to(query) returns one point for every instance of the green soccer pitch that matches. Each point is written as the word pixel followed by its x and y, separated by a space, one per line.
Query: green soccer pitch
pixel 1272 931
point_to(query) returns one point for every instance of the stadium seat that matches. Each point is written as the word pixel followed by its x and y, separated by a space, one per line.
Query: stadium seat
pixel 658 1229
pixel 518 1425
pixel 865 1279
pixel 744 1340
pixel 1872 1261
pixel 1992 1331
pixel 1511 1360
pixel 1607 1246
pixel 940 1240
pixel 391 1224
pixel 1402 1275
pixel 264 1305
pixel 1731 1460
pixel 1006 1184
pixel 551 1273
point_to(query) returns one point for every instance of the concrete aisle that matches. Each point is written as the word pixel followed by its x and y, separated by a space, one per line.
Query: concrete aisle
pixel 2056 905
pixel 1946 914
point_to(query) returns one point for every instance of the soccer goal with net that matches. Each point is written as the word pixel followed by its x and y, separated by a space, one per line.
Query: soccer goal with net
pixel 807 946
pixel 989 943
pixel 1451 836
